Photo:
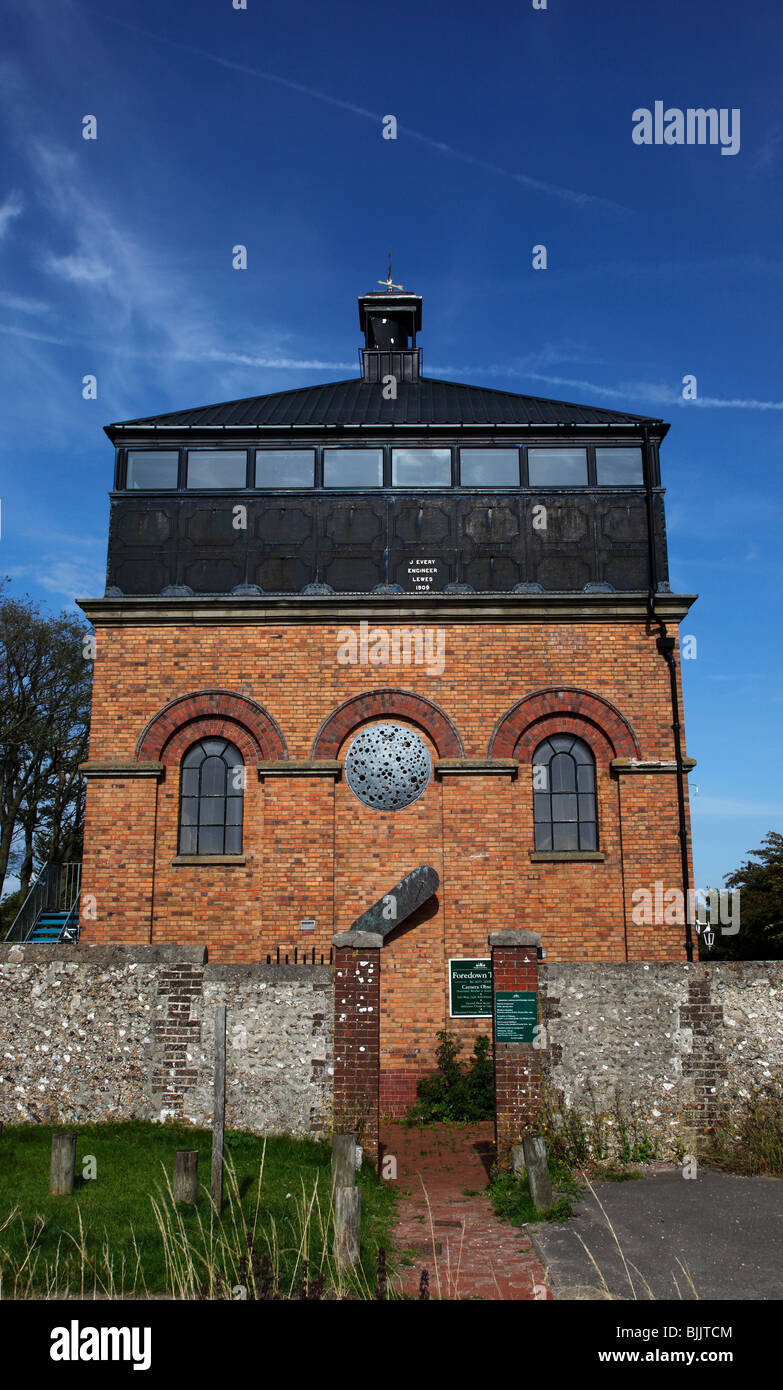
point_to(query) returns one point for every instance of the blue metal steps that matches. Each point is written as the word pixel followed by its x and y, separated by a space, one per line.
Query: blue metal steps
pixel 49 926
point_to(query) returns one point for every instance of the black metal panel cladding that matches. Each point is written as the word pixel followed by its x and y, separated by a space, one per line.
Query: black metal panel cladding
pixel 426 401
pixel 355 541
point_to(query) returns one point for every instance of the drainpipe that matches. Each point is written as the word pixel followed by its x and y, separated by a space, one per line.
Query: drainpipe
pixel 666 645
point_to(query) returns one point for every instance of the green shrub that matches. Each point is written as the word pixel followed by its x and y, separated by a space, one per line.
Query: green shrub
pixel 457 1091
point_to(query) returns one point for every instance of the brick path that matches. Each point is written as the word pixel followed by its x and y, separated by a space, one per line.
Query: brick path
pixel 467 1251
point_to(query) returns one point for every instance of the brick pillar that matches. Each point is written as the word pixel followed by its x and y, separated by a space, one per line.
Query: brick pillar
pixel 517 1063
pixel 357 1038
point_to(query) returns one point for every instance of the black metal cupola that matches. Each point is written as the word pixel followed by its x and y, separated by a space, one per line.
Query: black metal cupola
pixel 389 320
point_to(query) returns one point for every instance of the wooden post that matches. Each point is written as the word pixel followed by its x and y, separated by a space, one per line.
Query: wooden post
pixel 219 1107
pixel 343 1161
pixel 61 1172
pixel 518 1161
pixel 186 1176
pixel 538 1172
pixel 347 1221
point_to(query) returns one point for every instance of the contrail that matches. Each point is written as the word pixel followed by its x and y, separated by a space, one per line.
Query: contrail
pixel 568 195
pixel 666 395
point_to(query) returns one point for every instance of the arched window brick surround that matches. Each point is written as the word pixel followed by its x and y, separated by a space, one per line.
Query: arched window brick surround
pixel 573 711
pixel 361 708
pixel 215 713
pixel 215 726
pixel 595 738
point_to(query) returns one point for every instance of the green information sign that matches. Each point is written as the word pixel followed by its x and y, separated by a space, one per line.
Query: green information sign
pixel 470 988
pixel 516 1015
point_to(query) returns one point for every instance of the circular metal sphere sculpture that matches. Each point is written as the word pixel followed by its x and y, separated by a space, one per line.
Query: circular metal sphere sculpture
pixel 388 767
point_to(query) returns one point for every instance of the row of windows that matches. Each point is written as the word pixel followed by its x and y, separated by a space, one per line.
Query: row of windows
pixel 375 467
pixel 212 782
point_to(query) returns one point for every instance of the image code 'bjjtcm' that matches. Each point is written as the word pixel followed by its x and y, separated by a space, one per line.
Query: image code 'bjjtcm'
pixel 377 626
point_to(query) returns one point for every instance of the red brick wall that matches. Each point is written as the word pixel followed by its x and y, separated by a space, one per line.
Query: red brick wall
pixel 517 1065
pixel 357 1012
pixel 312 850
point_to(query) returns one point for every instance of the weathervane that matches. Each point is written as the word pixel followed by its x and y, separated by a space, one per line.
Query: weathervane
pixel 390 286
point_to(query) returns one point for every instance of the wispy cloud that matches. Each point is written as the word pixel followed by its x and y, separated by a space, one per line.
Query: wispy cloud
pixel 12 206
pixel 567 195
pixel 16 303
pixel 767 154
pixel 14 332
pixel 69 565
pixel 208 354
pixel 243 359
pixel 79 269
pixel 75 578
pixel 655 391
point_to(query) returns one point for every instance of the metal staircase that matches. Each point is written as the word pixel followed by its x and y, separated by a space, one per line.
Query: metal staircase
pixel 50 912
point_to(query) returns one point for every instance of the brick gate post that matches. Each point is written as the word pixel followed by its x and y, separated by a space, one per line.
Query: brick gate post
pixel 357 1038
pixel 514 1017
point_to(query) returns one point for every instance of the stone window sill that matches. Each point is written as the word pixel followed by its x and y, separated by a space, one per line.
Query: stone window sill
pixel 208 860
pixel 568 856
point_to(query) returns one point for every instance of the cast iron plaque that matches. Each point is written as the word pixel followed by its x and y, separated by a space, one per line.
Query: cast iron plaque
pixel 516 1015
pixel 470 988
pixel 424 576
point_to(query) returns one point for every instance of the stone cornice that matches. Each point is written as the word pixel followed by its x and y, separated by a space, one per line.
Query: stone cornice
pixel 309 767
pixel 281 610
pixel 514 937
pixel 358 940
pixel 94 768
pixel 626 765
pixel 476 767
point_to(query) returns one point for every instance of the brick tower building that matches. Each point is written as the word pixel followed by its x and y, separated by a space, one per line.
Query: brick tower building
pixel 363 627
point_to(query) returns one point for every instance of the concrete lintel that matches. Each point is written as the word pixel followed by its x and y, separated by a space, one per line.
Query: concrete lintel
pixel 566 856
pixel 514 938
pixel 208 861
pixel 305 767
pixel 649 765
pixel 96 768
pixel 361 940
pixel 476 767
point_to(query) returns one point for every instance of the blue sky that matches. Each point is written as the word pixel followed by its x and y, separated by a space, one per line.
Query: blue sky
pixel 262 126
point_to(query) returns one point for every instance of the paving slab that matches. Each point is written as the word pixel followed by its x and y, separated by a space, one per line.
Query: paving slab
pixel 713 1236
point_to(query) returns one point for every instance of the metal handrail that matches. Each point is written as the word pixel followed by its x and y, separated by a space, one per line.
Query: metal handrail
pixel 56 889
pixel 70 931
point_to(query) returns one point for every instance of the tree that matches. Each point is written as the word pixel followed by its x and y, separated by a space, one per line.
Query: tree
pixel 45 686
pixel 760 885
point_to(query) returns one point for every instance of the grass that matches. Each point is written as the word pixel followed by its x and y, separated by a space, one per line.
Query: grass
pixel 748 1137
pixel 511 1199
pixel 121 1232
pixel 614 1172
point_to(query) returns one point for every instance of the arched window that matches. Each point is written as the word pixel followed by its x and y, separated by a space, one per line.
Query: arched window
pixel 564 806
pixel 211 798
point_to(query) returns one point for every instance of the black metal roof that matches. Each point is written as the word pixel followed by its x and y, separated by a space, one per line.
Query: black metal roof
pixel 358 402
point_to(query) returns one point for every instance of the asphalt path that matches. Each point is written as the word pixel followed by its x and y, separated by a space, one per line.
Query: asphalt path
pixel 712 1236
